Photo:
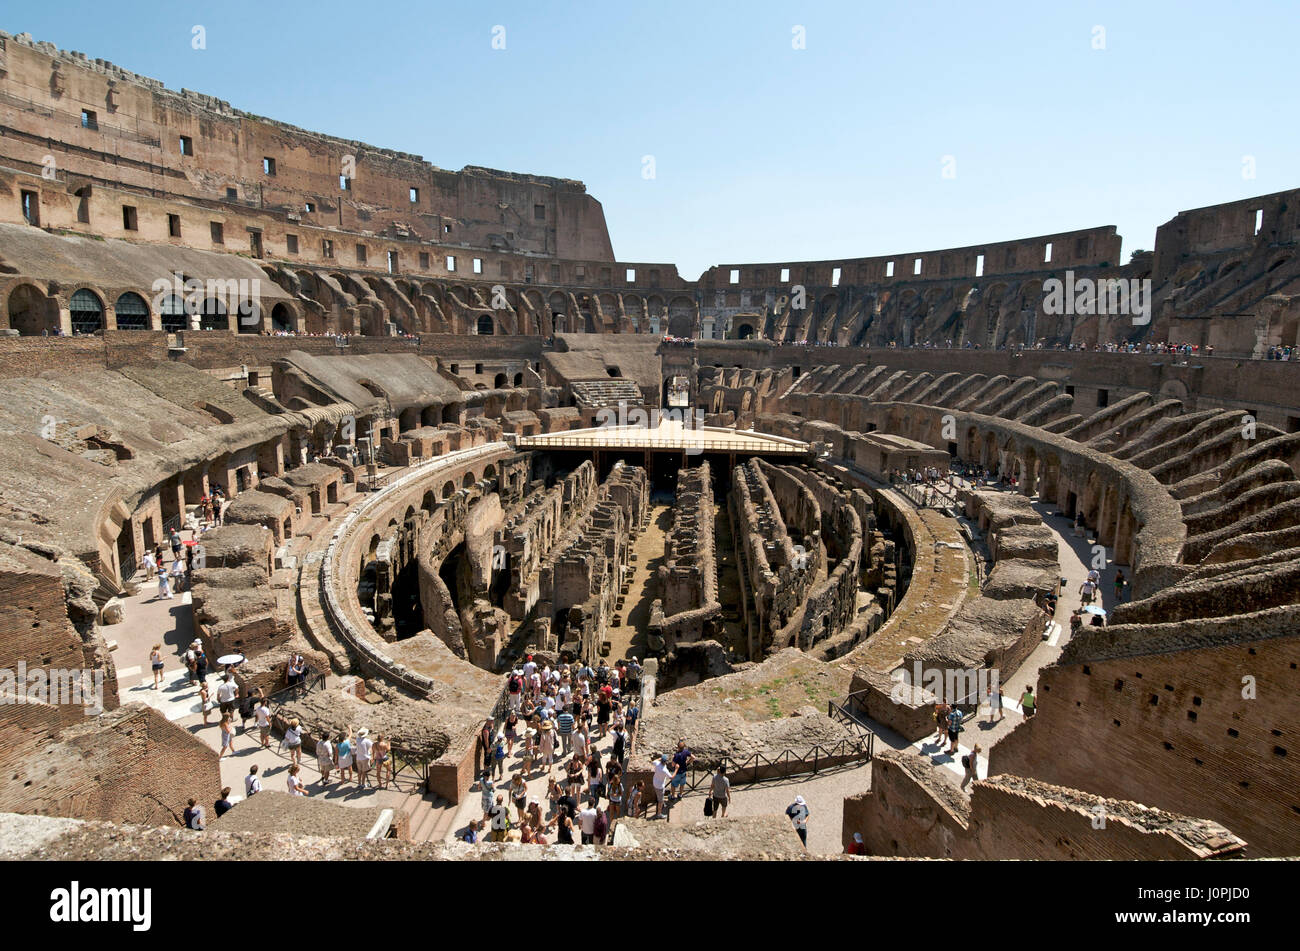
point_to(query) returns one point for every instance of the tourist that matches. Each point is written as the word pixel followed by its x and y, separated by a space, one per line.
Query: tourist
pixel 149 565
pixel 662 774
pixel 223 805
pixel 365 745
pixel 200 662
pixel 511 731
pixel 227 692
pixel 1087 590
pixel 193 816
pixel 614 790
pixel 595 778
pixel 587 822
pixel 857 846
pixel 471 833
pixel 798 813
pixel 499 757
pixel 205 701
pixel 296 671
pixel 970 763
pixel 636 800
pixel 499 817
pixel 1027 702
pixel 324 758
pixel 519 795
pixel 600 831
pixel 227 735
pixel 156 664
pixel 580 743
pixel 1120 583
pixel 344 752
pixel 954 728
pixel 252 782
pixel 293 741
pixel 995 701
pixel 620 742
pixel 263 716
pixel 720 791
pixel 177 574
pixel 1076 621
pixel 682 760
pixel 547 735
pixel 191 662
pixel 164 591
pixel 563 827
pixel 176 543
pixel 383 749
pixel 485 737
pixel 604 705
pixel 487 788
pixel 941 711
pixel 296 786
pixel 564 726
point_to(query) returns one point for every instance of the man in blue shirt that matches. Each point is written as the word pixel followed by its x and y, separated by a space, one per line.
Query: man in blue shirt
pixel 954 727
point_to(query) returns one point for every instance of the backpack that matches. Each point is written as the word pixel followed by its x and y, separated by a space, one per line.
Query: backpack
pixel 965 761
pixel 708 806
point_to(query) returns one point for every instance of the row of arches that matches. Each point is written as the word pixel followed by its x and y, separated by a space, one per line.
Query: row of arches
pixel 32 312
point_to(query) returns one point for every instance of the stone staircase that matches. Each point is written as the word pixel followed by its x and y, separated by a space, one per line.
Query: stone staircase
pixel 606 392
pixel 430 816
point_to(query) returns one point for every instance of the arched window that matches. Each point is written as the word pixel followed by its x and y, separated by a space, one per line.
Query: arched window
pixel 87 312
pixel 132 312
pixel 485 327
pixel 281 318
pixel 249 317
pixel 499 381
pixel 172 311
pixel 213 315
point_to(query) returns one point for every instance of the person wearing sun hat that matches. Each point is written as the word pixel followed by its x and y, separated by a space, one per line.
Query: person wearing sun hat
pixel 798 813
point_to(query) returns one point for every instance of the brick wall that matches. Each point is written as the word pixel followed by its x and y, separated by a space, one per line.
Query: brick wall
pixel 1174 730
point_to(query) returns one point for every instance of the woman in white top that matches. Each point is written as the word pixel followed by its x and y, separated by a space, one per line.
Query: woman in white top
pixel 296 786
pixel 164 590
pixel 156 664
pixel 995 701
pixel 150 566
pixel 293 740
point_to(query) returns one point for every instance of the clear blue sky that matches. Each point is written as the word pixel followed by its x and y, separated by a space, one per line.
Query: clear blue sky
pixel 764 152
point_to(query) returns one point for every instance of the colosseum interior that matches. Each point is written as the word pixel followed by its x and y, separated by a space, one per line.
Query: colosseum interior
pixel 418 429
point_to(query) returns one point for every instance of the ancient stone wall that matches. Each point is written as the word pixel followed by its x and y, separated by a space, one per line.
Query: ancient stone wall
pixel 914 810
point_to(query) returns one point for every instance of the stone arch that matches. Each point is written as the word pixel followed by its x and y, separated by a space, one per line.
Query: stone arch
pixel 468 481
pixel 173 313
pixel 87 311
pixel 281 317
pixel 212 315
pixel 485 326
pixel 131 312
pixel 32 312
pixel 448 488
pixel 429 500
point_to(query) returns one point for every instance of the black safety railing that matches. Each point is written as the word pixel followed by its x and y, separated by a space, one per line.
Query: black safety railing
pixel 849 752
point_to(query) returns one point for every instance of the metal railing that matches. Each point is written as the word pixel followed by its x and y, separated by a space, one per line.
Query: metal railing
pixel 312 680
pixel 759 767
